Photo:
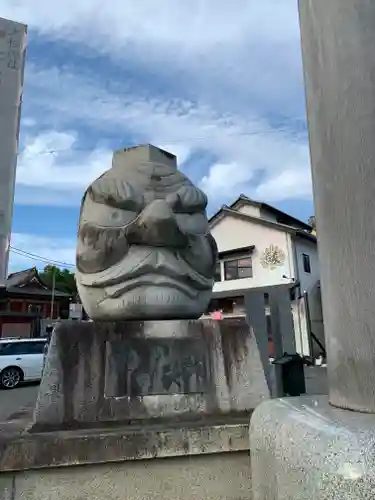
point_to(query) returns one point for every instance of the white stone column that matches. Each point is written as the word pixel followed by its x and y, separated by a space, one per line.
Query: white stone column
pixel 12 59
pixel 312 447
pixel 338 44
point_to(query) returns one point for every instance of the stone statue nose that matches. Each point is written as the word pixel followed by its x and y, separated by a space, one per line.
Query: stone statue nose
pixel 156 225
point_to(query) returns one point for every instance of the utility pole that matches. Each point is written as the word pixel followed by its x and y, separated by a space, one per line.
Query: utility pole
pixel 53 290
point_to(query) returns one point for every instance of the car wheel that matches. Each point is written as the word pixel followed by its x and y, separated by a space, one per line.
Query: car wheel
pixel 10 377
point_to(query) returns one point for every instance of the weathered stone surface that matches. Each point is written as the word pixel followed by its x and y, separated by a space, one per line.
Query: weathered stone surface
pixel 303 448
pixel 144 249
pixel 7 487
pixel 338 45
pixel 209 477
pixel 125 371
pixel 31 450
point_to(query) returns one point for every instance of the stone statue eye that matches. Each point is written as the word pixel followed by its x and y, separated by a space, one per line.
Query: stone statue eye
pixel 116 194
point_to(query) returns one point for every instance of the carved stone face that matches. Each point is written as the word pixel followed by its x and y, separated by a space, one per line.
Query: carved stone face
pixel 144 249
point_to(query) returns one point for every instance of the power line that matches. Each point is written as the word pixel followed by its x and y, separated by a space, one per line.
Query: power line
pixel 39 258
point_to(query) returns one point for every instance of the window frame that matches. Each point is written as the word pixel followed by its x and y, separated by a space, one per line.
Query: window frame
pixel 306 263
pixel 217 272
pixel 237 259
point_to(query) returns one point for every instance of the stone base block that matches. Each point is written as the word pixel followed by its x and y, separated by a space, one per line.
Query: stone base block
pixel 23 450
pixel 210 477
pixel 100 373
pixel 303 448
pixel 152 462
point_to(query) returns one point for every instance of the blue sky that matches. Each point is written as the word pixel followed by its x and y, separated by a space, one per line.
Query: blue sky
pixel 217 83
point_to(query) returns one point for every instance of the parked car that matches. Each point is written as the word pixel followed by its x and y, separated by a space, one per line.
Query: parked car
pixel 21 360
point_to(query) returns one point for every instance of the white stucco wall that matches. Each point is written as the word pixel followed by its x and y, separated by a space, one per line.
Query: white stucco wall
pixel 249 210
pixel 309 284
pixel 303 246
pixel 233 233
pixel 266 214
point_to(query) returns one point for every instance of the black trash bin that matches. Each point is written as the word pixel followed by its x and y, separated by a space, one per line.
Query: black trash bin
pixel 292 373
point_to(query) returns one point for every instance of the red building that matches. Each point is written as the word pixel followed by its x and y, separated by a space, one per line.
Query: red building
pixel 26 301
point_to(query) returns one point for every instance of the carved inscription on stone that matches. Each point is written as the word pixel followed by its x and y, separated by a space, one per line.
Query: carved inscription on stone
pixel 139 367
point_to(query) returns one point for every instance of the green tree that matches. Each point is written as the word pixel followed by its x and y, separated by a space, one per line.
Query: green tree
pixel 312 222
pixel 64 279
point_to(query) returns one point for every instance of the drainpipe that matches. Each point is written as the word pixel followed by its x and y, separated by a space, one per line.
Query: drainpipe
pixel 299 294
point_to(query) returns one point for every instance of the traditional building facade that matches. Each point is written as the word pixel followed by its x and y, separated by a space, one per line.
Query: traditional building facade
pixel 262 247
pixel 26 302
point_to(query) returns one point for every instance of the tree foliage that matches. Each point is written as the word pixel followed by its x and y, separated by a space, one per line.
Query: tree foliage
pixel 64 279
pixel 312 222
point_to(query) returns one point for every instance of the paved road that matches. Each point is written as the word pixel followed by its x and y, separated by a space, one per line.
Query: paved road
pixel 17 400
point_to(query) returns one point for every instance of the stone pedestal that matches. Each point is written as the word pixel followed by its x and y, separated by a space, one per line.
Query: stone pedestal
pixel 126 372
pixel 182 462
pixel 304 448
pixel 139 404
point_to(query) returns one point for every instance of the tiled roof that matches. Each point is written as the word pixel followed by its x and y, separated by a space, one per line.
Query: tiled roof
pixel 28 281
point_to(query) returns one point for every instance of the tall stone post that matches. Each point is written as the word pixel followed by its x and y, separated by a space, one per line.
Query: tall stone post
pixel 12 62
pixel 338 44
pixel 314 447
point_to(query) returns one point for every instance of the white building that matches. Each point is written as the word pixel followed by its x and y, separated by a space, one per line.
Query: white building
pixel 259 247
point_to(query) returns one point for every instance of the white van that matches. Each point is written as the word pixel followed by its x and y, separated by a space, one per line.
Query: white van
pixel 21 360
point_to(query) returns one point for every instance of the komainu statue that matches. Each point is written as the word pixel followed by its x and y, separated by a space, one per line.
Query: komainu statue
pixel 144 250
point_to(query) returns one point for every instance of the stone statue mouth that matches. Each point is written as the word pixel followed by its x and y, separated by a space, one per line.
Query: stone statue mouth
pixel 152 279
pixel 145 266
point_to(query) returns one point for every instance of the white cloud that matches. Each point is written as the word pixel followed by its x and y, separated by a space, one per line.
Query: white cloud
pixel 284 185
pixel 242 47
pixel 242 145
pixel 59 249
pixel 49 160
pixel 226 178
pixel 187 24
pixel 239 61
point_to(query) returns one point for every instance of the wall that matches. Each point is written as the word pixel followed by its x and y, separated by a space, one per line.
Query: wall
pixel 231 233
pixel 222 476
pixel 308 281
pixel 310 284
pixel 10 329
pixel 251 210
pixel 268 215
pixel 13 326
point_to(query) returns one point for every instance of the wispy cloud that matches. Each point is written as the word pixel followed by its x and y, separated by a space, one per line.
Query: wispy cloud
pixel 243 144
pixel 201 76
pixel 49 160
pixel 59 249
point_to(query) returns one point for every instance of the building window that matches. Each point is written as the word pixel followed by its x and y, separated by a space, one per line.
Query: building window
pixel 217 275
pixel 306 263
pixel 238 268
pixel 239 305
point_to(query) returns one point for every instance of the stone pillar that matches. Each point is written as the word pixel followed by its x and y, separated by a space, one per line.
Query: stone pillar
pixel 312 447
pixel 12 62
pixel 338 44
